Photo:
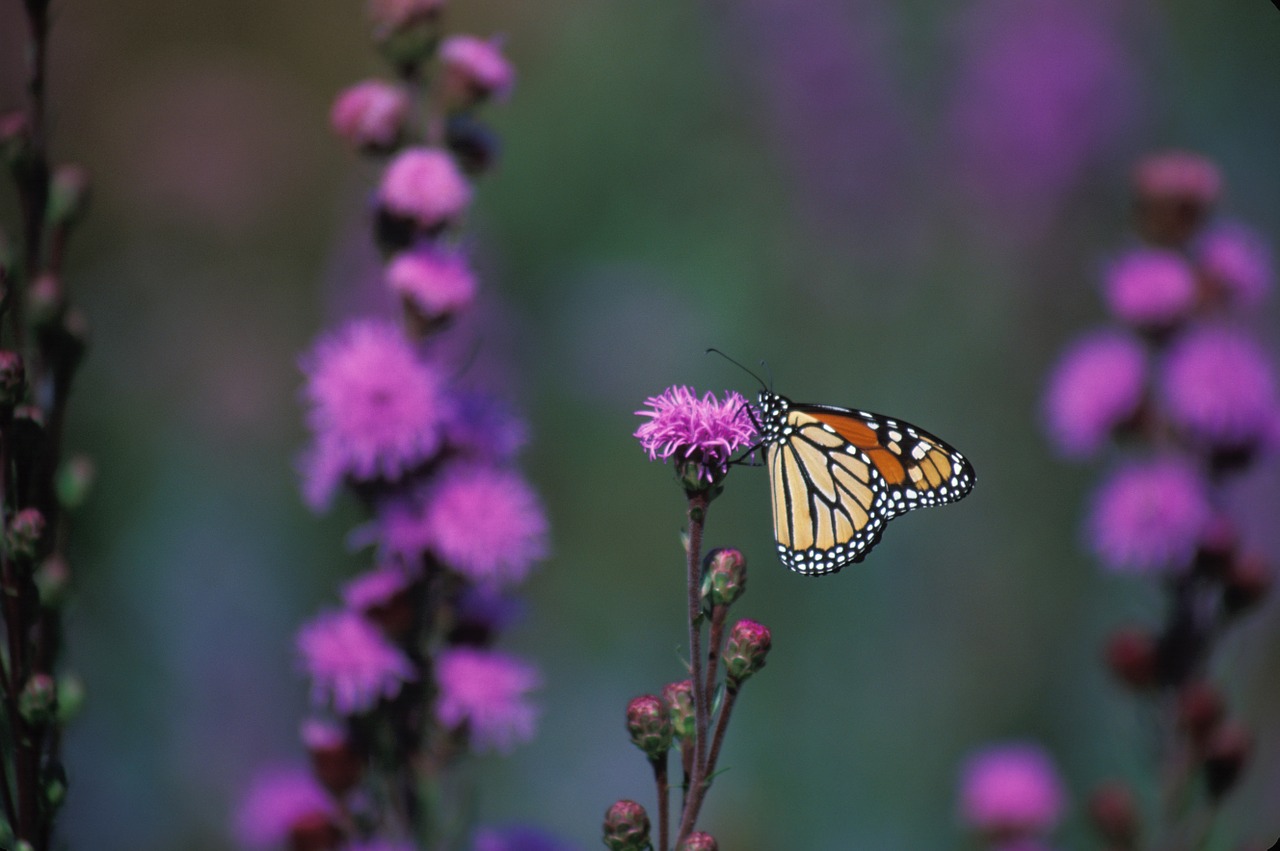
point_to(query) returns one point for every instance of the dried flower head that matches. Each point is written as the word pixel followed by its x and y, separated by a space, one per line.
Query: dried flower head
pixel 700 434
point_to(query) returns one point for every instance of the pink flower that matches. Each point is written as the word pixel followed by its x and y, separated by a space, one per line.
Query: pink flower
pixel 1178 175
pixel 370 114
pixel 486 691
pixel 434 283
pixel 376 587
pixel 1220 388
pixel 376 409
pixel 1149 516
pixel 319 734
pixel 476 67
pixel 1096 386
pixel 350 664
pixel 1011 790
pixel 699 433
pixel 1151 288
pixel 279 800
pixel 425 186
pixel 381 845
pixel 1238 261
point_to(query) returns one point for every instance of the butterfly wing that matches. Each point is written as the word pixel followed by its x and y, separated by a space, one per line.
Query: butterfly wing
pixel 838 476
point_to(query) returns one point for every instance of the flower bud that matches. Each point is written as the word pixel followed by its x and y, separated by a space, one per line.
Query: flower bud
pixel 337 765
pixel 1114 814
pixel 52 579
pixel 15 139
pixel 422 192
pixel 55 785
pixel 434 285
pixel 1132 656
pixel 1218 546
pixel 370 115
pixel 1174 191
pixel 406 30
pixel 1247 582
pixel 13 380
pixel 38 699
pixel 71 697
pixel 472 143
pixel 649 724
pixel 474 71
pixel 314 831
pixel 745 650
pixel 75 480
pixel 698 841
pixel 626 827
pixel 22 538
pixel 724 576
pixel 1200 708
pixel 678 698
pixel 46 301
pixel 68 195
pixel 1225 755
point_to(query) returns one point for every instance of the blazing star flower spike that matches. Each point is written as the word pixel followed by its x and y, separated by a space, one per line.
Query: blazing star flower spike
pixel 488 692
pixel 350 664
pixel 702 435
pixel 1011 790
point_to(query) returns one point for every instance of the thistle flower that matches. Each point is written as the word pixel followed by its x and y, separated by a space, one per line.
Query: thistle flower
pixel 700 434
pixel 1011 790
pixel 1149 516
pixel 1096 386
pixel 350 664
pixel 488 692
pixel 278 802
pixel 1220 388
pixel 1152 289
pixel 375 408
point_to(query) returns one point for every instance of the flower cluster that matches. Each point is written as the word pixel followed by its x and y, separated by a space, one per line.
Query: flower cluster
pixel 405 679
pixel 1194 397
pixel 691 715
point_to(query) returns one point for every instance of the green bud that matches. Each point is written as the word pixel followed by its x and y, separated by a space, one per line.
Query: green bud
pixel 24 845
pixel 68 194
pixel 745 650
pixel 46 300
pixel 71 698
pixel 626 827
pixel 55 791
pixel 678 698
pixel 724 576
pixel 75 479
pixel 52 579
pixel 38 699
pixel 649 725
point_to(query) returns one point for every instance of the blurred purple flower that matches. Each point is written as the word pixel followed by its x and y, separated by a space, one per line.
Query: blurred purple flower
pixel 435 283
pixel 1220 387
pixel 1150 288
pixel 485 608
pixel 350 664
pixel 483 425
pixel 376 587
pixel 425 186
pixel 375 408
pixel 1010 790
pixel 1237 260
pixel 518 838
pixel 1176 175
pixel 1043 87
pixel 487 691
pixel 1149 516
pixel 381 845
pixel 703 432
pixel 370 114
pixel 321 734
pixel 279 799
pixel 477 66
pixel 1096 386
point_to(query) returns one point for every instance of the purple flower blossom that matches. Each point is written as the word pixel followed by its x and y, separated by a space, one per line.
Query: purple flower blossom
pixel 1238 262
pixel 381 845
pixel 376 408
pixel 1011 789
pixel 377 587
pixel 1149 516
pixel 278 800
pixel 484 608
pixel 1096 386
pixel 370 114
pixel 482 521
pixel 350 664
pixel 518 838
pixel 425 186
pixel 477 67
pixel 704 433
pixel 1178 176
pixel 1220 387
pixel 433 282
pixel 483 426
pixel 1151 288
pixel 319 734
pixel 487 691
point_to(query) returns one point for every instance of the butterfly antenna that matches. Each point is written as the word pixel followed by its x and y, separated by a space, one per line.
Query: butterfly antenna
pixel 739 366
pixel 767 371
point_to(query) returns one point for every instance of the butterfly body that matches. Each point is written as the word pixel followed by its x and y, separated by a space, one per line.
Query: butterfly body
pixel 837 477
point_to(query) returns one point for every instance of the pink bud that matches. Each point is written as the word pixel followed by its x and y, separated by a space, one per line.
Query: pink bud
pixel 370 115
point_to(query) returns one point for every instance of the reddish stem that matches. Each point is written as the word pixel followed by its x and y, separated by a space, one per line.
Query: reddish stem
pixel 664 803
pixel 698 503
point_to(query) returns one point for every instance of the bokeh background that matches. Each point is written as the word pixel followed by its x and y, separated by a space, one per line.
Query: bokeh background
pixel 901 205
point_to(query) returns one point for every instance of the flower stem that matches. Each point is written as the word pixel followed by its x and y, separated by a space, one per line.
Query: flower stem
pixel 718 614
pixel 722 724
pixel 698 503
pixel 664 805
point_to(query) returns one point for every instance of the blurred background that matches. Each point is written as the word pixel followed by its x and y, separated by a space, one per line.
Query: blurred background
pixel 901 206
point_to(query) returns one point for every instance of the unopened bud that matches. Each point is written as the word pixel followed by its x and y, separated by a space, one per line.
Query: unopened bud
pixel 1200 708
pixel 649 725
pixel 678 698
pixel 1114 814
pixel 46 300
pixel 13 380
pixel 1217 547
pixel 1131 654
pixel 371 115
pixel 314 831
pixel 1173 192
pixel 71 697
pixel 38 699
pixel 406 30
pixel 52 578
pixel 724 576
pixel 1247 583
pixel 626 827
pixel 22 538
pixel 75 480
pixel 745 650
pixel 68 194
pixel 474 71
pixel 1225 755
pixel 15 139
pixel 699 841
pixel 55 786
pixel 336 763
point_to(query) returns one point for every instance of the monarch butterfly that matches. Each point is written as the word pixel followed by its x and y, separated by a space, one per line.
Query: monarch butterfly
pixel 837 476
